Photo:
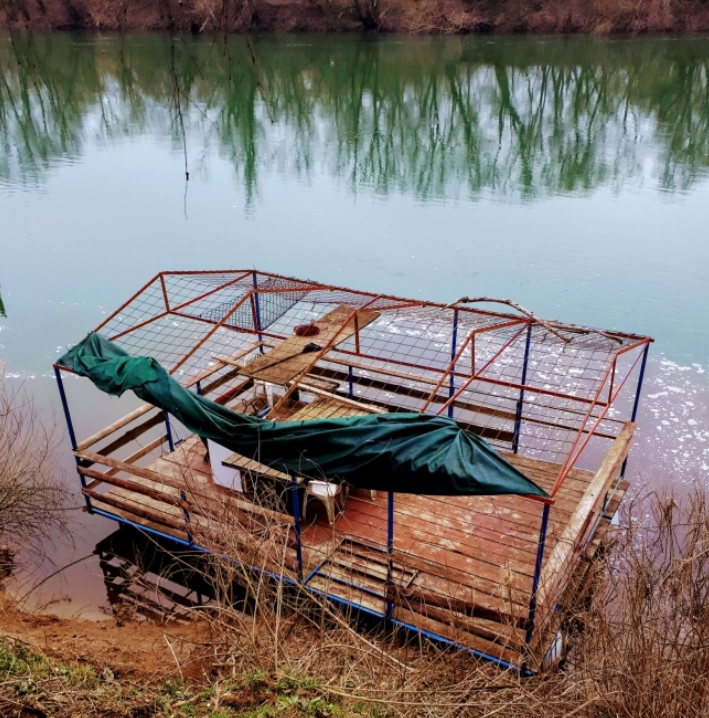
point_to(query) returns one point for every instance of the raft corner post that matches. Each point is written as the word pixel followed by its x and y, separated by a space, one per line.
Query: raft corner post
pixel 537 572
pixel 72 434
pixel 520 401
pixel 390 553
pixel 454 343
pixel 296 516
pixel 257 311
pixel 636 401
pixel 168 430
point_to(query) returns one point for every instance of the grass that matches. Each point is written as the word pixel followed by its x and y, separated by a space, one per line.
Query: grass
pixel 39 685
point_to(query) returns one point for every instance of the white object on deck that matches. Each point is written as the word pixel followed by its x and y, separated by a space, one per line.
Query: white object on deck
pixel 225 476
pixel 325 492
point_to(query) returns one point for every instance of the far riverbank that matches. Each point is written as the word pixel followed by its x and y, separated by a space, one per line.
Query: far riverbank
pixel 597 17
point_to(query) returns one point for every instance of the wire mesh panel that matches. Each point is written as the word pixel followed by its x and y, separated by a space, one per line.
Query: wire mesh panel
pixel 529 387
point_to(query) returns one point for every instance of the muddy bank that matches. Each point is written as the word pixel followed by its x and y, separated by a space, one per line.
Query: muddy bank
pixel 398 16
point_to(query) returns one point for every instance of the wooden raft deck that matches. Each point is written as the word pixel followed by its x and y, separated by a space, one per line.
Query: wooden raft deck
pixel 462 566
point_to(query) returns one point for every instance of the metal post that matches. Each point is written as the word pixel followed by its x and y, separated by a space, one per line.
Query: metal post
pixel 70 428
pixel 296 516
pixel 351 380
pixel 170 443
pixel 199 388
pixel 636 403
pixel 390 553
pixel 186 514
pixel 257 304
pixel 453 351
pixel 520 401
pixel 537 571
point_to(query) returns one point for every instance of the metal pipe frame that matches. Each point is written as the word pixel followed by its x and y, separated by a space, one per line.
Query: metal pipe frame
pixel 520 401
pixel 70 429
pixel 296 516
pixel 570 462
pixel 168 428
pixel 257 311
pixel 454 341
pixel 636 402
pixel 471 379
pixel 390 555
pixel 537 571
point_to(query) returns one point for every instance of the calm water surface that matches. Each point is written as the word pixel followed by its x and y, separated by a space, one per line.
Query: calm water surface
pixel 571 175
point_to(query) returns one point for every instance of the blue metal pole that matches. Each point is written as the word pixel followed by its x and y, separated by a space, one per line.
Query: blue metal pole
pixel 70 428
pixel 453 350
pixel 520 401
pixel 296 516
pixel 390 552
pixel 186 514
pixel 170 442
pixel 537 571
pixel 351 380
pixel 636 403
pixel 257 304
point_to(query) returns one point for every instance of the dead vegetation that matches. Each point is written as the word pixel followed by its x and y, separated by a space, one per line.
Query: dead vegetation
pixel 403 16
pixel 639 645
pixel 33 497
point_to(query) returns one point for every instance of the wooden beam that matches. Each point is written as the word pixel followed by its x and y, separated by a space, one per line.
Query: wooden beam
pixel 114 427
pixel 144 451
pixel 570 544
pixel 136 487
pixel 132 434
pixel 151 475
pixel 139 511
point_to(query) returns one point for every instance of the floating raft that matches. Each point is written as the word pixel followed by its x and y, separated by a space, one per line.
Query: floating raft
pixel 491 574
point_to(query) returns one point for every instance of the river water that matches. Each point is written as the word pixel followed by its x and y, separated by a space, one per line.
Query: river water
pixel 568 174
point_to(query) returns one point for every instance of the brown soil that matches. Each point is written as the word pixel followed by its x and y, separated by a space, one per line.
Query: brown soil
pixel 129 650
pixel 401 16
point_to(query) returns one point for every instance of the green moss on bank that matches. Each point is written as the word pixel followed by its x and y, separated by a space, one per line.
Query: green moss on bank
pixel 32 683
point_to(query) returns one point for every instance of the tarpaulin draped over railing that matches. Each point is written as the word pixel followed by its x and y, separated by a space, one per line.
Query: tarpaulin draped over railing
pixel 401 452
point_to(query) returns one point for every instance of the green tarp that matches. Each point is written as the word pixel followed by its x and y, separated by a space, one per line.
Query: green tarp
pixel 406 452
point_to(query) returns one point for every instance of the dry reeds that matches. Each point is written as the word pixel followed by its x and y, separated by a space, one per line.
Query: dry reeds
pixel 638 643
pixel 33 497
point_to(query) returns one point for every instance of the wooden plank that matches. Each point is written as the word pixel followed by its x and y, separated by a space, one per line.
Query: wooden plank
pixel 481 567
pixel 132 435
pixel 286 361
pixel 140 521
pixel 140 512
pixel 148 448
pixel 361 406
pixel 136 487
pixel 171 481
pixel 242 463
pixel 447 532
pixel 457 635
pixel 119 424
pixel 560 563
pixel 348 593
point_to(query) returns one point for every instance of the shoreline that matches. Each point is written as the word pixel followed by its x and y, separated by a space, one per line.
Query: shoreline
pixel 406 17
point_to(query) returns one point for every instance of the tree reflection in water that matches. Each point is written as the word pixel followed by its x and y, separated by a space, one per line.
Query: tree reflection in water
pixel 512 118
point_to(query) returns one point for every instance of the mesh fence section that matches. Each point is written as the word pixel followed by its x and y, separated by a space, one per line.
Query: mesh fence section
pixel 530 387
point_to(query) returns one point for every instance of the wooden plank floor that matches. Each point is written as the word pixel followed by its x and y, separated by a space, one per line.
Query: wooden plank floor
pixel 463 566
